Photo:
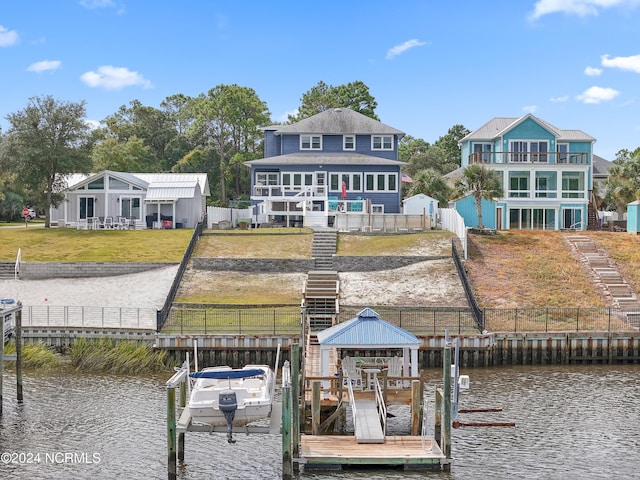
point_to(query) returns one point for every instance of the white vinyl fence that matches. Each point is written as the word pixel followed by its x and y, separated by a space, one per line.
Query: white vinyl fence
pixel 451 220
pixel 222 217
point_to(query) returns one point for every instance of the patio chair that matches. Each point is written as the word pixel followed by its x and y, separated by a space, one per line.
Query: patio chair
pixel 395 370
pixel 108 223
pixel 351 373
pixel 123 223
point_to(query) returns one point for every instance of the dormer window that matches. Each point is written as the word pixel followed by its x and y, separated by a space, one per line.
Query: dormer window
pixel 381 142
pixel 349 142
pixel 310 142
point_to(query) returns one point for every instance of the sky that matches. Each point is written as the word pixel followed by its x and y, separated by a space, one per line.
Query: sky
pixel 429 64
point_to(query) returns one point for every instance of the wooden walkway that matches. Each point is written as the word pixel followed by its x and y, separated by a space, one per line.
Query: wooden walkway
pixel 344 450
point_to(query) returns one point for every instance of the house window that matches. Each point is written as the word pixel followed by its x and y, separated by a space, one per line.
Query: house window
pixel 296 181
pixel 518 184
pixel 349 142
pixel 377 208
pixel 573 185
pixel 563 153
pixel 130 207
pixel 115 184
pixel 545 185
pixel 524 151
pixel 532 218
pixel 97 184
pixel 86 207
pixel 381 182
pixel 381 142
pixel 310 142
pixel 353 182
pixel 482 152
pixel 266 178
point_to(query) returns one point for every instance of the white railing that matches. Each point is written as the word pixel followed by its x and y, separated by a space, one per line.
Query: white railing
pixel 453 222
pixel 16 270
pixel 93 317
pixel 352 402
pixel 425 428
pixel 382 408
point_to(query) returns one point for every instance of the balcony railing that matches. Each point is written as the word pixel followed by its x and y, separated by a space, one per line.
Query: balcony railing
pixel 289 191
pixel 563 158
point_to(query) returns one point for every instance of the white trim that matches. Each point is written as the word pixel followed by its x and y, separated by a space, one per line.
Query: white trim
pixel 344 142
pixel 311 142
pixel 382 142
pixel 375 176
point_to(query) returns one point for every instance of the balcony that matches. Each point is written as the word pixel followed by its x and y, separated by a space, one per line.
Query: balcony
pixel 558 158
pixel 306 191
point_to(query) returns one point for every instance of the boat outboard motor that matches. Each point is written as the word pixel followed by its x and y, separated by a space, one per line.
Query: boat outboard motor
pixel 228 404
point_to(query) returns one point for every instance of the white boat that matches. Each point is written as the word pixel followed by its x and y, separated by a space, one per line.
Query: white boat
pixel 244 395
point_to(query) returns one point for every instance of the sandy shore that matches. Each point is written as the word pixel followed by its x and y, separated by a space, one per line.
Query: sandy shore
pixel 137 290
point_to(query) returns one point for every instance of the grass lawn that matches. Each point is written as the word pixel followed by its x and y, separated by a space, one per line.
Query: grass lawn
pixel 438 242
pixel 69 245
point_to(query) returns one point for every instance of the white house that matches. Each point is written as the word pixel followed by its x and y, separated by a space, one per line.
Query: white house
pixel 160 200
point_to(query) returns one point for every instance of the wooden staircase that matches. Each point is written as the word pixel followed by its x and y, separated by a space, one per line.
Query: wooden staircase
pixel 321 292
pixel 324 248
pixel 606 274
pixel 7 270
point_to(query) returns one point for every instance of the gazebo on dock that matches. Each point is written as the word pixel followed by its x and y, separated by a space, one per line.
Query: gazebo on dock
pixel 368 331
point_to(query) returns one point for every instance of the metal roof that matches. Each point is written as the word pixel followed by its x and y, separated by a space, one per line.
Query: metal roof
pixel 323 159
pixel 496 127
pixel 338 121
pixel 171 190
pixel 367 329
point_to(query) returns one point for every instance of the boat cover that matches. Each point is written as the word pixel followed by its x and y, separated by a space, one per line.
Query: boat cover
pixel 224 374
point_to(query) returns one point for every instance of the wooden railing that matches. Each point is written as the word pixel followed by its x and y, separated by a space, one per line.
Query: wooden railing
pixel 562 158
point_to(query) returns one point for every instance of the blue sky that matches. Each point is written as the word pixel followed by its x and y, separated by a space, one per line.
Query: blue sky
pixel 429 64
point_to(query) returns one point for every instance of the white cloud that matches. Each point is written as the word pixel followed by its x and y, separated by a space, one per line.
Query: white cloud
pixel 561 99
pixel 92 124
pixel 44 65
pixel 8 37
pixel 93 4
pixel 631 63
pixel 592 71
pixel 597 95
pixel 399 49
pixel 114 78
pixel 530 108
pixel 581 8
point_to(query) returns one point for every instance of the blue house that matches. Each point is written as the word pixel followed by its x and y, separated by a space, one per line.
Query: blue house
pixel 546 175
pixel 337 162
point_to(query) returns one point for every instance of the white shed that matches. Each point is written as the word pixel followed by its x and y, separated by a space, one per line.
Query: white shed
pixel 420 204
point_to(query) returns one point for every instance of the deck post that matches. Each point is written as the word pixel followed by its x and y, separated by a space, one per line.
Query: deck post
pixel 295 401
pixel 171 433
pixel 315 407
pixel 287 460
pixel 19 352
pixel 437 427
pixel 1 364
pixel 183 403
pixel 446 421
pixel 416 410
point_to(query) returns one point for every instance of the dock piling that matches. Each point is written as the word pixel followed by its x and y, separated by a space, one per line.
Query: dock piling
pixel 171 433
pixel 19 352
pixel 287 459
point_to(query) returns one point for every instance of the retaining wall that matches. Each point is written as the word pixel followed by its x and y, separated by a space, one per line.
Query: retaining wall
pixel 44 270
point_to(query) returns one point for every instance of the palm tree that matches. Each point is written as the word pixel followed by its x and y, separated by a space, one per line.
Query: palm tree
pixel 481 182
pixel 430 182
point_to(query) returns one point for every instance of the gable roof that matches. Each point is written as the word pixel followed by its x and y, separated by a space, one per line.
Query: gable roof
pixel 323 159
pixel 150 181
pixel 338 121
pixel 366 329
pixel 498 126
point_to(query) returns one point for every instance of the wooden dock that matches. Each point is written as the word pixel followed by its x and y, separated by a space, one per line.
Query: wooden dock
pixel 338 450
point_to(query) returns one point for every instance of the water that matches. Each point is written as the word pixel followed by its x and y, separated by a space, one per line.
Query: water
pixel 572 422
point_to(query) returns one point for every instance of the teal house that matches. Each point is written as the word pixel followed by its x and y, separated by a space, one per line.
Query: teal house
pixel 546 175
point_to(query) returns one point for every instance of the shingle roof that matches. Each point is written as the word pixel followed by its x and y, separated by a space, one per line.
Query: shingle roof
pixel 601 166
pixel 338 121
pixel 496 127
pixel 323 159
pixel 366 329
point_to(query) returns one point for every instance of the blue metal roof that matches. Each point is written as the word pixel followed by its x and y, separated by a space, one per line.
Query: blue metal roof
pixel 367 329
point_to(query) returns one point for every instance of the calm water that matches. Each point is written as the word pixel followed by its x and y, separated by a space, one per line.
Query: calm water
pixel 580 422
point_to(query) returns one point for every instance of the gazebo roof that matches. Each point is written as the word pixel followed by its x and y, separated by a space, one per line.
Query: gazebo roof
pixel 367 329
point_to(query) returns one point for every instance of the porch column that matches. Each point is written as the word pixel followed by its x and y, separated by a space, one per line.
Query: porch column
pixel 173 214
pixel 324 366
pixel 414 362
